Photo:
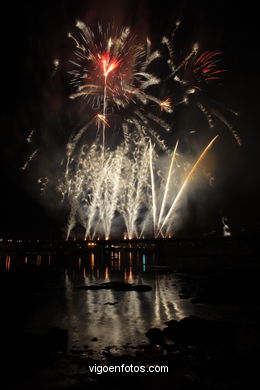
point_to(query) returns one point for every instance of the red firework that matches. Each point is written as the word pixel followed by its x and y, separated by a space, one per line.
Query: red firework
pixel 203 68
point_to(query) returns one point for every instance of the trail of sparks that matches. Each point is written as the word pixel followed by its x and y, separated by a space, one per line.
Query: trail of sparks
pixel 153 188
pixel 111 74
pixel 186 181
pixel 29 138
pixel 120 186
pixel 167 184
pixel 23 168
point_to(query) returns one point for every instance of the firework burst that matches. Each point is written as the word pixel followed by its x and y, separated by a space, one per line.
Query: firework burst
pixel 126 188
pixel 121 187
pixel 192 75
pixel 202 68
pixel 110 72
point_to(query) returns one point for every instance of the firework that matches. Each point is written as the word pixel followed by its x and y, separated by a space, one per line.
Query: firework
pixel 56 64
pixel 125 189
pixel 226 229
pixel 30 158
pixel 29 138
pixel 193 75
pixel 184 184
pixel 166 105
pixel 110 72
pixel 132 187
pixel 201 68
pixel 167 184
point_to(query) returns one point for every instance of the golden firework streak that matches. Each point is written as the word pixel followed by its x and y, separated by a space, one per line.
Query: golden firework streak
pixel 167 183
pixel 153 187
pixel 186 182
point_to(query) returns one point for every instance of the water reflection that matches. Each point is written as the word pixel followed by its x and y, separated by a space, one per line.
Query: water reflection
pixel 8 263
pixel 114 317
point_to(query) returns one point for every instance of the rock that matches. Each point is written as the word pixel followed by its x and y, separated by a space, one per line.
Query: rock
pixel 155 335
pixel 172 323
pixel 171 332
pixel 94 339
pixel 141 287
pixel 91 287
pixel 196 331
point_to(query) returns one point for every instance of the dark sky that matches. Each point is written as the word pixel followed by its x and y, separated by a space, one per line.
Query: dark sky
pixel 33 34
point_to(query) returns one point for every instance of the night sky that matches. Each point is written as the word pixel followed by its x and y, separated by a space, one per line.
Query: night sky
pixel 35 33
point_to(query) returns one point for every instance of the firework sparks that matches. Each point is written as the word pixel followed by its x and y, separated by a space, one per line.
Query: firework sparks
pixel 43 182
pixel 108 64
pixel 166 105
pixel 226 229
pixel 153 188
pixel 102 118
pixel 56 65
pixel 194 74
pixel 111 74
pixel 29 138
pixel 167 184
pixel 186 181
pixel 31 157
pixel 125 184
pixel 123 187
pixel 204 67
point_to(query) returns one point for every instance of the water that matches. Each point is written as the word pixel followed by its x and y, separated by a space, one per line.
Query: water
pixel 43 291
pixel 53 298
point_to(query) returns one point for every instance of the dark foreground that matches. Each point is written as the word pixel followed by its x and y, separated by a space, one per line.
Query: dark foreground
pixel 215 348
